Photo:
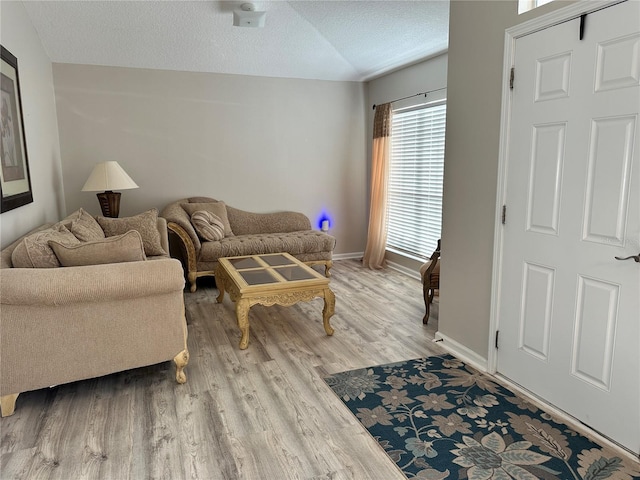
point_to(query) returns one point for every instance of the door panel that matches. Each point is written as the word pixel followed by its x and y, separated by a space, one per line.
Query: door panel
pixel 537 303
pixel 596 320
pixel 609 176
pixel 618 63
pixel 569 313
pixel 545 182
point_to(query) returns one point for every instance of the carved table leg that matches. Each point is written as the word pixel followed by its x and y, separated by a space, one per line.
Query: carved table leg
pixel 328 310
pixel 242 314
pixel 8 404
pixel 181 360
pixel 220 285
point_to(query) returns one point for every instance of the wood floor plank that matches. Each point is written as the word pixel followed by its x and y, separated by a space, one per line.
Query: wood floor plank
pixel 361 456
pixel 255 414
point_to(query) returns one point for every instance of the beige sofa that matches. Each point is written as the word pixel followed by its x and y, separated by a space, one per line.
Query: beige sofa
pixel 252 233
pixel 59 325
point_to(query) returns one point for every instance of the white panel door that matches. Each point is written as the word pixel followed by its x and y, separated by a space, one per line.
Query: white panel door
pixel 569 312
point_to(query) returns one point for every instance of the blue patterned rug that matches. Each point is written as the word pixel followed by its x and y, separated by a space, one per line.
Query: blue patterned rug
pixel 438 418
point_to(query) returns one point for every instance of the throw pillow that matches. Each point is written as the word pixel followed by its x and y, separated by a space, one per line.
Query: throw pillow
pixel 145 223
pixel 86 228
pixel 219 209
pixel 69 219
pixel 34 250
pixel 127 247
pixel 209 226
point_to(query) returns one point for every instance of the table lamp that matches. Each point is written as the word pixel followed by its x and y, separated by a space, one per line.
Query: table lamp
pixel 108 176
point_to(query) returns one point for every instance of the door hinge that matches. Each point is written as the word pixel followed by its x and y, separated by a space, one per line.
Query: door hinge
pixel 512 76
pixel 497 335
pixel 504 214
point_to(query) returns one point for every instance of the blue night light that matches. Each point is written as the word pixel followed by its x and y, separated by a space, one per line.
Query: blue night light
pixel 324 221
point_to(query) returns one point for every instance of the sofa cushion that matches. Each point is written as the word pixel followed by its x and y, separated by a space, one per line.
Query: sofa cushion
pixel 245 223
pixel 295 243
pixel 209 226
pixel 86 228
pixel 145 223
pixel 34 250
pixel 217 208
pixel 127 247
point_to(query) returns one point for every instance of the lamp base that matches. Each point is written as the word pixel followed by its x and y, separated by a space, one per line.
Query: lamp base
pixel 109 203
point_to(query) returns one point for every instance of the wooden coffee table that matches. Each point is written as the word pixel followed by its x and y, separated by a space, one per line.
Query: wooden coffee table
pixel 271 279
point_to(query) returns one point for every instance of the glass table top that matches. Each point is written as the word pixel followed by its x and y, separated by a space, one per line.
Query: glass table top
pixel 294 272
pixel 270 269
pixel 258 277
pixel 275 260
pixel 248 262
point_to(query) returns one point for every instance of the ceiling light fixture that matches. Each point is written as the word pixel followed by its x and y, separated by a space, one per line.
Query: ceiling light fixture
pixel 248 17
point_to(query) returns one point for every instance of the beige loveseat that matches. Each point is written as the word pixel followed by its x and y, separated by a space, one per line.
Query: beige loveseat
pixel 59 325
pixel 248 233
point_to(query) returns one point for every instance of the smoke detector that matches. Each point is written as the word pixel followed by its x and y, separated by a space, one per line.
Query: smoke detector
pixel 248 17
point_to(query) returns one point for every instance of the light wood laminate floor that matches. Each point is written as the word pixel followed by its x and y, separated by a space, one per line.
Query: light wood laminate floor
pixel 258 414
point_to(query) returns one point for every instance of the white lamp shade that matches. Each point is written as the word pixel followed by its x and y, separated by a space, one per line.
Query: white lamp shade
pixel 108 176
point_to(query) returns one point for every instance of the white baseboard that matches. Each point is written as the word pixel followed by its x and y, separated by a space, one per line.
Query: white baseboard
pixel 348 256
pixel 461 352
pixel 402 269
pixel 392 265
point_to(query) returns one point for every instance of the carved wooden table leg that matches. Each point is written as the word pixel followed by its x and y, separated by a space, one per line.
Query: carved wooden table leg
pixel 242 314
pixel 328 310
pixel 220 279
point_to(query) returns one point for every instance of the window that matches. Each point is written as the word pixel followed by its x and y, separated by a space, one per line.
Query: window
pixel 415 180
pixel 526 5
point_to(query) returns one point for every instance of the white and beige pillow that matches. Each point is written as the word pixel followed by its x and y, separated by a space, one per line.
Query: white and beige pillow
pixel 145 223
pixel 219 209
pixel 127 247
pixel 86 228
pixel 209 226
pixel 34 250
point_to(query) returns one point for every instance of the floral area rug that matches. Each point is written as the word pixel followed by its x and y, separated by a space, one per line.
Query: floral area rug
pixel 438 418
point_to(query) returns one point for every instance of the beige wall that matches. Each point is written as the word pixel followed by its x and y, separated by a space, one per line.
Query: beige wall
pixel 41 129
pixel 425 76
pixel 476 42
pixel 260 144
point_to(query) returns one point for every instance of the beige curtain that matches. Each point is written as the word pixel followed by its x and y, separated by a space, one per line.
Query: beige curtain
pixel 377 234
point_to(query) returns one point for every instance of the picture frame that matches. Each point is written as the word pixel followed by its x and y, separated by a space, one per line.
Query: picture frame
pixel 15 180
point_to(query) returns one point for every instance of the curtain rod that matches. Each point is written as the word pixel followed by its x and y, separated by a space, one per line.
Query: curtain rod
pixel 416 95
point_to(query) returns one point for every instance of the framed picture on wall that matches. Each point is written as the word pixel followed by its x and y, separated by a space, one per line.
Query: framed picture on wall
pixel 15 182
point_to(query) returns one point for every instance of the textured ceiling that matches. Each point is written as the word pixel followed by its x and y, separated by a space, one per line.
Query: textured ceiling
pixel 328 40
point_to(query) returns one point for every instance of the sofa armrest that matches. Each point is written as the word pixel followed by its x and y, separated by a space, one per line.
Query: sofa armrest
pixel 174 213
pixel 188 250
pixel 164 234
pixel 89 284
pixel 250 223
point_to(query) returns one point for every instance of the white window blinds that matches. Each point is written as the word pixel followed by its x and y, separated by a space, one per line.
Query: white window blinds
pixel 415 180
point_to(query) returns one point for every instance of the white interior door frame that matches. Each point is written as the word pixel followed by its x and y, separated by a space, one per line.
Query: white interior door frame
pixel 511 35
